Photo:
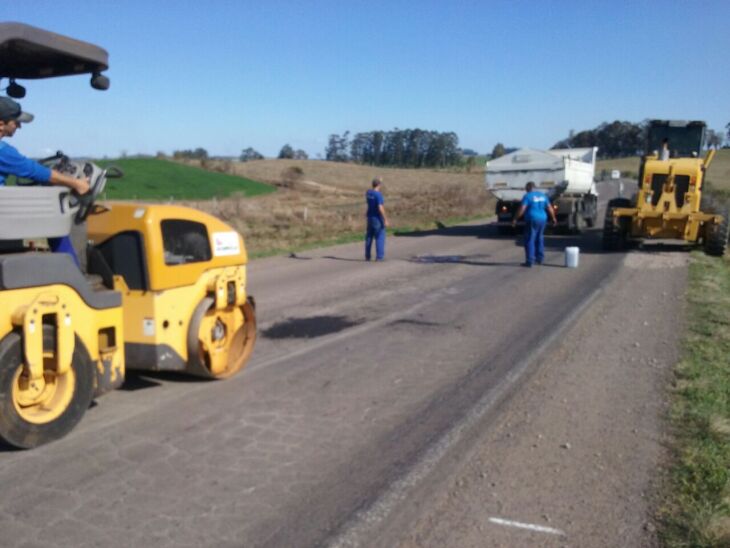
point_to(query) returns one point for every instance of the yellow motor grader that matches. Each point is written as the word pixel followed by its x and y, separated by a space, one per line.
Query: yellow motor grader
pixel 669 202
pixel 162 288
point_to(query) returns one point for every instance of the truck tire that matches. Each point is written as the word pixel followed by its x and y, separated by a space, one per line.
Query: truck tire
pixel 591 220
pixel 614 236
pixel 62 402
pixel 578 223
pixel 716 236
pixel 591 207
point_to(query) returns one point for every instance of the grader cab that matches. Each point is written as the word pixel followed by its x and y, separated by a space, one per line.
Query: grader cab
pixel 163 288
pixel 669 202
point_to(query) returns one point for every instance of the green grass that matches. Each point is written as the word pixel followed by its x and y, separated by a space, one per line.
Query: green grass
pixel 153 179
pixel 696 510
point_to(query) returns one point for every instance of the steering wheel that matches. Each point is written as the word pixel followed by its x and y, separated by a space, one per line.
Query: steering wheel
pixel 80 170
pixel 97 182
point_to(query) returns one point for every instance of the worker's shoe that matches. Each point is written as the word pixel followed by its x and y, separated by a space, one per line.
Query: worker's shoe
pixel 527 265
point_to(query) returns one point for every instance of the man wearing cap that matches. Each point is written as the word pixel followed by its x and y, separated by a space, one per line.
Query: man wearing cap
pixel 535 207
pixel 376 221
pixel 14 163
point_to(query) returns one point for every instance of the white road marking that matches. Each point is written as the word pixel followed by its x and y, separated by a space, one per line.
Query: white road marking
pixel 529 526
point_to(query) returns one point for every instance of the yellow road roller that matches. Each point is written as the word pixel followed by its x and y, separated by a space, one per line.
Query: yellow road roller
pixel 161 288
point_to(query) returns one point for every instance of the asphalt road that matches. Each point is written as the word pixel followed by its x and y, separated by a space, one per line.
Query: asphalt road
pixel 360 371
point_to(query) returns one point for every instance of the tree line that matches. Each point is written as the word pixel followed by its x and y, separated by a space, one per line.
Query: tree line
pixel 422 148
pixel 396 148
pixel 619 139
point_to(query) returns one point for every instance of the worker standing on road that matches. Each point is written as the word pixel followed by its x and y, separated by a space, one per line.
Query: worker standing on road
pixel 376 221
pixel 664 153
pixel 535 207
pixel 14 163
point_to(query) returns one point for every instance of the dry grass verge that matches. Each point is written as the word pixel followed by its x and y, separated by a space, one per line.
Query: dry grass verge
pixel 323 202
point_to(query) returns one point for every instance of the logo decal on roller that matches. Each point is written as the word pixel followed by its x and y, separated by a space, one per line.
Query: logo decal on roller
pixel 226 243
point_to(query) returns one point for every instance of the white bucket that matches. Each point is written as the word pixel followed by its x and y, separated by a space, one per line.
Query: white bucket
pixel 572 255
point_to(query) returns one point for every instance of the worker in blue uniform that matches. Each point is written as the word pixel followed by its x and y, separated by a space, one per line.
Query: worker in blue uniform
pixel 376 221
pixel 14 163
pixel 535 207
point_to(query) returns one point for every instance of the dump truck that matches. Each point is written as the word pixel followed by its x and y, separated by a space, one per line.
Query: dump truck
pixel 163 288
pixel 565 175
pixel 670 202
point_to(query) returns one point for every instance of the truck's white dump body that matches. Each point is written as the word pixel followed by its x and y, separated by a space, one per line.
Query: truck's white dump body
pixel 554 172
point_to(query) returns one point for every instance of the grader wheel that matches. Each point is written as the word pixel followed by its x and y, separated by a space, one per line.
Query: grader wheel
pixel 36 412
pixel 220 341
pixel 614 235
pixel 716 236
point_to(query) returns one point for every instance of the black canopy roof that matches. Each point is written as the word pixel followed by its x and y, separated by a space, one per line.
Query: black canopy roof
pixel 30 52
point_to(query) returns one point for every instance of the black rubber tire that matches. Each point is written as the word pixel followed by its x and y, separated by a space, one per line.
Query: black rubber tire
pixel 611 233
pixel 716 236
pixel 25 435
pixel 614 237
pixel 578 223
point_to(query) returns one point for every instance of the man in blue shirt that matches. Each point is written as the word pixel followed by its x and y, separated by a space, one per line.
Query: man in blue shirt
pixel 377 221
pixel 14 163
pixel 535 207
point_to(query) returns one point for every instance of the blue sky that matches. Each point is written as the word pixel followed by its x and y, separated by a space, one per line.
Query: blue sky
pixel 226 75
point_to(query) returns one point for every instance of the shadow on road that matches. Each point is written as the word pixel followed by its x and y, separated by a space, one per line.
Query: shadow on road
pixel 472 260
pixel 477 231
pixel 331 257
pixel 665 247
pixel 590 242
pixel 309 328
pixel 141 380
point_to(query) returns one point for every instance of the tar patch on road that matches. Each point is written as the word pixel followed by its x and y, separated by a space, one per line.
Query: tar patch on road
pixel 450 259
pixel 415 323
pixel 309 328
pixel 438 259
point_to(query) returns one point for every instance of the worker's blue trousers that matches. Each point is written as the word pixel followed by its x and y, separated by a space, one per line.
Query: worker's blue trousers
pixel 375 231
pixel 63 245
pixel 534 241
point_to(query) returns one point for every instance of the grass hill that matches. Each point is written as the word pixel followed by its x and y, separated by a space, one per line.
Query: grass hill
pixel 153 179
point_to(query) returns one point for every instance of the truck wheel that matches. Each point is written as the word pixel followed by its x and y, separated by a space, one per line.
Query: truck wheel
pixel 611 233
pixel 716 236
pixel 578 223
pixel 220 342
pixel 30 417
pixel 591 221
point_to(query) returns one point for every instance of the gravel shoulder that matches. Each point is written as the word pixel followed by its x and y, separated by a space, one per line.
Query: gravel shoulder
pixel 574 458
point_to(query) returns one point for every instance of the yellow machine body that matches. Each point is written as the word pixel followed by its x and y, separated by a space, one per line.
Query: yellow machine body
pixel 186 308
pixel 164 287
pixel 57 352
pixel 668 202
pixel 100 331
